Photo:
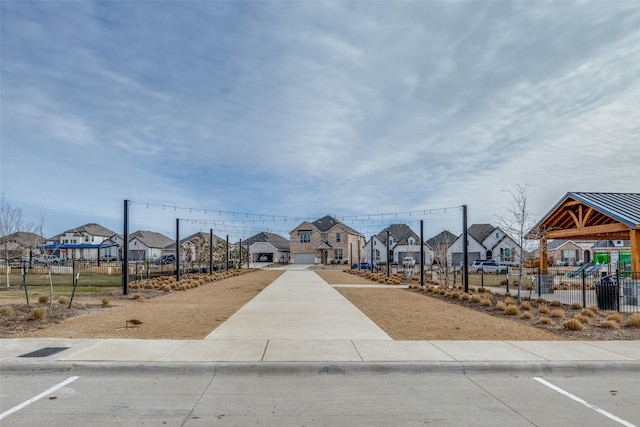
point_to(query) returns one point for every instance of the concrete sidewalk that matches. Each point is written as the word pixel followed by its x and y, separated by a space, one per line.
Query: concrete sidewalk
pixel 300 320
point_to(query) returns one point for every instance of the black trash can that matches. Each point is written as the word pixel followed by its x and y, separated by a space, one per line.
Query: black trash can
pixel 607 294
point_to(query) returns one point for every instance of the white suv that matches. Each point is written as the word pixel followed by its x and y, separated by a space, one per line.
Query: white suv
pixel 488 267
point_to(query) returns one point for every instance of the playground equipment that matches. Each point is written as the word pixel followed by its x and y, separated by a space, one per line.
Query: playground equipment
pixel 580 270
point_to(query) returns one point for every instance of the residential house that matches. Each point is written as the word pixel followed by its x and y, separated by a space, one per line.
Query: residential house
pixel 267 247
pixel 88 242
pixel 20 245
pixel 323 241
pixel 148 245
pixel 193 248
pixel 569 252
pixel 403 243
pixel 485 242
pixel 440 244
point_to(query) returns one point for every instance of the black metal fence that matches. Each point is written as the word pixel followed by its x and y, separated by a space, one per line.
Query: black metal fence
pixel 616 290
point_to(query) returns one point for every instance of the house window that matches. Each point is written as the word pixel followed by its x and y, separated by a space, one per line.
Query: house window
pixel 390 241
pixel 506 254
pixel 86 238
pixel 497 235
pixel 411 241
pixel 337 253
pixel 305 238
pixel 325 237
pixel 337 237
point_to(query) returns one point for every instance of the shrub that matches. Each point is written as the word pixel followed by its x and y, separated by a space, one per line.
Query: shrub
pixel 525 305
pixel 466 297
pixel 576 305
pixel 546 320
pixel 609 324
pixel 633 320
pixel 582 318
pixel 543 308
pixel 527 315
pixel 587 312
pixel 166 288
pixel 6 310
pixel 509 300
pixel 455 295
pixel 475 298
pixel 593 308
pixel 541 300
pixel 512 310
pixel 614 315
pixel 64 300
pixel 559 313
pixel 105 301
pixel 500 305
pixel 573 325
pixel 136 296
pixel 43 299
pixel 39 314
pixel 556 303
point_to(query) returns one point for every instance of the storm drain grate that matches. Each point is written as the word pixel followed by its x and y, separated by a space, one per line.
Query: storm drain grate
pixel 45 352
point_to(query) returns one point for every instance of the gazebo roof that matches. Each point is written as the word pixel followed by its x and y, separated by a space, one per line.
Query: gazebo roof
pixel 591 216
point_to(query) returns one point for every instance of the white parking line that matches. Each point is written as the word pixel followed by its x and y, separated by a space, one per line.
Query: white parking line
pixel 38 397
pixel 585 403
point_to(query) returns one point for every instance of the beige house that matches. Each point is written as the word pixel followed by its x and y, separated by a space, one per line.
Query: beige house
pixel 325 241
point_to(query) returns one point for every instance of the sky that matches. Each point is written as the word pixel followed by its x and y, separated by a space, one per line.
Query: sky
pixel 249 116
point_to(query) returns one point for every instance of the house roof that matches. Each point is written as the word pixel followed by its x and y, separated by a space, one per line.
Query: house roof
pixel 327 222
pixel 445 237
pixel 273 239
pixel 480 231
pixel 400 233
pixel 23 238
pixel 92 229
pixel 152 239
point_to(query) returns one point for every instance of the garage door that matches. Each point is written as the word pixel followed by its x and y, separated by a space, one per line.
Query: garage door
pixel 304 258
pixel 456 258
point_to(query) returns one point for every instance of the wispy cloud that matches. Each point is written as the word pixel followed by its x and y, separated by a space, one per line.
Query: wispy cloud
pixel 315 108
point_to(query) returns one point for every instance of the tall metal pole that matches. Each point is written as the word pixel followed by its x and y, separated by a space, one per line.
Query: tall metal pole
pixel 211 251
pixel 421 252
pixel 465 250
pixel 240 250
pixel 125 248
pixel 372 254
pixel 177 249
pixel 387 257
pixel 227 252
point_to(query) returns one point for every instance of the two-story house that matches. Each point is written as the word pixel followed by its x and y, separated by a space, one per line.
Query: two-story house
pixel 323 241
pixel 89 242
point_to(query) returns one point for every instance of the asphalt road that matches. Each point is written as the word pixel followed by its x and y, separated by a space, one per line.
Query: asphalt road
pixel 106 398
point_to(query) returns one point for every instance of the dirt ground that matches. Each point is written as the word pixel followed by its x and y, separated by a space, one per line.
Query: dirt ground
pixel 405 314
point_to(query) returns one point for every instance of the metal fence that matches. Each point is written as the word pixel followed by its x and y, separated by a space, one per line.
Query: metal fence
pixel 618 291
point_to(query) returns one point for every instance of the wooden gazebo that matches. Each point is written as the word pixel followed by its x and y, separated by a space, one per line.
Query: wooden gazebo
pixel 592 216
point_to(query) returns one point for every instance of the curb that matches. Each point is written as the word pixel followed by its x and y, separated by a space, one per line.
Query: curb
pixel 327 368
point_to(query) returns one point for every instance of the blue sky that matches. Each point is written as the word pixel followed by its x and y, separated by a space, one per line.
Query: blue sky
pixel 303 109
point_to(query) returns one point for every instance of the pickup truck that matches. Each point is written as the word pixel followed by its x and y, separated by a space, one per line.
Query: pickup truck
pixel 488 267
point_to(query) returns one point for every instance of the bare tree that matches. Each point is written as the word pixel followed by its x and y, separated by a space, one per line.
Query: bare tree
pixel 440 247
pixel 517 223
pixel 11 221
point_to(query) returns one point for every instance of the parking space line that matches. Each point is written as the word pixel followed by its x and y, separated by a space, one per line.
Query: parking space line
pixel 584 402
pixel 38 397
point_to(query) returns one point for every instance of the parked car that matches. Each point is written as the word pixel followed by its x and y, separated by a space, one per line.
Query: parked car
pixel 364 266
pixel 488 267
pixel 48 259
pixel 166 259
pixel 263 258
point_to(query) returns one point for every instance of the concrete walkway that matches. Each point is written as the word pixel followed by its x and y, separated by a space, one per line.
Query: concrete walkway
pixel 300 320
